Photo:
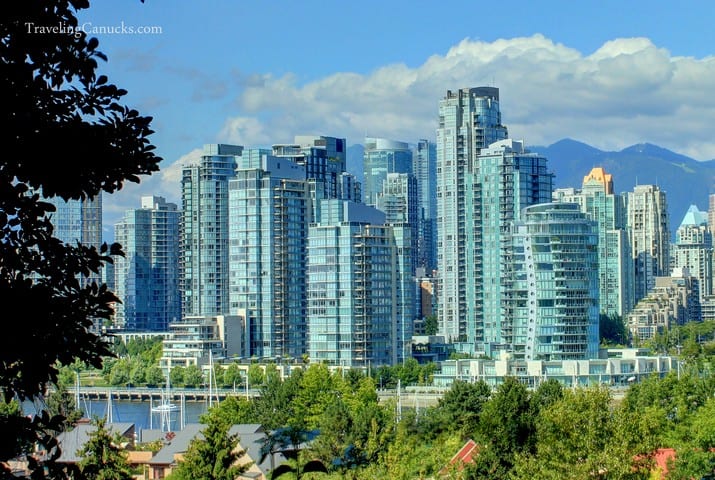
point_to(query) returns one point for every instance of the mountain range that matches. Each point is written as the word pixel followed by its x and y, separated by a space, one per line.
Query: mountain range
pixel 685 180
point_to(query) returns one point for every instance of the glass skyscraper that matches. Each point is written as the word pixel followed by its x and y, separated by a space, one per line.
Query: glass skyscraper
pixel 550 294
pixel 469 120
pixel 360 290
pixel 204 231
pixel 382 156
pixel 147 277
pixel 78 221
pixel 424 167
pixel 399 201
pixel 649 232
pixel 270 208
pixel 693 249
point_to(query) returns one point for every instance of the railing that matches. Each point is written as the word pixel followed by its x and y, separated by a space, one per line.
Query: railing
pixel 147 393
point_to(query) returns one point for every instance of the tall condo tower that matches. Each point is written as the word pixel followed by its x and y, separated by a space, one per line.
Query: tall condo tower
pixel 79 221
pixel 147 277
pixel 360 289
pixel 398 200
pixel 550 296
pixel 693 250
pixel 469 120
pixel 424 167
pixel 649 231
pixel 270 208
pixel 204 231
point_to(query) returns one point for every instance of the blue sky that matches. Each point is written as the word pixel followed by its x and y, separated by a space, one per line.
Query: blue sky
pixel 608 73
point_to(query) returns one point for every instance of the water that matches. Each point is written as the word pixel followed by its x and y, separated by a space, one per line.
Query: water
pixel 139 413
pixel 136 412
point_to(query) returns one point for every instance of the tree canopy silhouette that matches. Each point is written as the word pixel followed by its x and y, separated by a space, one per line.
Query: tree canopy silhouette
pixel 66 134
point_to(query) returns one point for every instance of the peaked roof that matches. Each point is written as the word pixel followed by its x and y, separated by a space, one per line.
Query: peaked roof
pixel 71 442
pixel 464 456
pixel 694 217
pixel 598 174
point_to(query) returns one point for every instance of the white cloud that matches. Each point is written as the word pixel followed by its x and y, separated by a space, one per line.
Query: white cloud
pixel 628 91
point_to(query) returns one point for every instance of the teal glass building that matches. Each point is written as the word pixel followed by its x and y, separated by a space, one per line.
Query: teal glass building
pixel 360 291
pixel 469 120
pixel 615 263
pixel 270 208
pixel 382 156
pixel 147 277
pixel 204 231
pixel 550 285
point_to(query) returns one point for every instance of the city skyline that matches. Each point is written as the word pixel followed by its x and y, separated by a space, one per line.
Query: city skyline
pixel 604 74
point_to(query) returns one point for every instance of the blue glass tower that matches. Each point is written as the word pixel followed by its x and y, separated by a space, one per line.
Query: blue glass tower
pixel 147 277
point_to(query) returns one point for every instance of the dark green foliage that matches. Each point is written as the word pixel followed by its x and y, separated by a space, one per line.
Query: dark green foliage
pixel 612 330
pixel 66 134
pixel 102 456
pixel 431 325
pixel 213 455
pixel 61 402
pixel 506 428
pixel 462 405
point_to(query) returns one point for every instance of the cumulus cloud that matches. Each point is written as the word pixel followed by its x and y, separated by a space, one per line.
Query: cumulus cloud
pixel 164 183
pixel 628 91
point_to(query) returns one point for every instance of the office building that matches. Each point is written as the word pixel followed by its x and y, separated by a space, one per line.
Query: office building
pixel 147 277
pixel 382 156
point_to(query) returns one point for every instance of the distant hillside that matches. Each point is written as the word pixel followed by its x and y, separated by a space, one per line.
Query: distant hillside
pixel 684 180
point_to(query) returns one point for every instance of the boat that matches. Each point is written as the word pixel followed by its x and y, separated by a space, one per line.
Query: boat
pixel 166 410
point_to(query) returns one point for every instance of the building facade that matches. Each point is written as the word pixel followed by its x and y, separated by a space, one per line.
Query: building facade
pixel 204 230
pixel 424 168
pixel 399 200
pixel 147 277
pixel 615 263
pixel 382 156
pixel 649 235
pixel 693 249
pixel 360 290
pixel 550 288
pixel 270 208
pixel 469 120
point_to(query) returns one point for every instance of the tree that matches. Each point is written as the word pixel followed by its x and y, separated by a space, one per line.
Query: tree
pixel 212 456
pixel 193 376
pixel 102 456
pixel 55 106
pixel 431 325
pixel 463 404
pixel 613 330
pixel 506 428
